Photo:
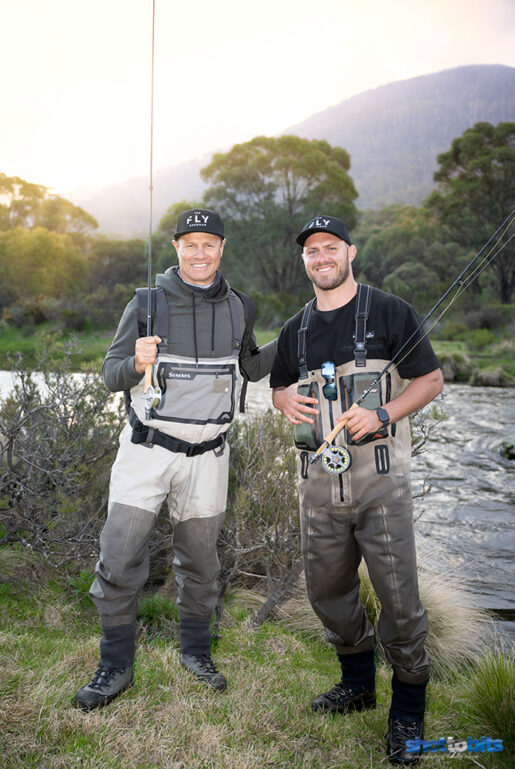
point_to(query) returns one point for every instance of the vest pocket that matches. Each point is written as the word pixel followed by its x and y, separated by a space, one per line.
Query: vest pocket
pixel 352 387
pixel 196 394
pixel 308 437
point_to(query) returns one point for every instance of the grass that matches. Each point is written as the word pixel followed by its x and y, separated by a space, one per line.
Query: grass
pixel 93 346
pixel 167 720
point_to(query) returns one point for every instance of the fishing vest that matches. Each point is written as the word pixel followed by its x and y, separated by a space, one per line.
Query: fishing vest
pixel 199 397
pixel 380 463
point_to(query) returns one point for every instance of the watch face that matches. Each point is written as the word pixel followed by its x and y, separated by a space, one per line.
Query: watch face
pixel 383 415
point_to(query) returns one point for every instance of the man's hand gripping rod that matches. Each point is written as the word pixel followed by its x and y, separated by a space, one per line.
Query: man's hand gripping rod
pixel 336 429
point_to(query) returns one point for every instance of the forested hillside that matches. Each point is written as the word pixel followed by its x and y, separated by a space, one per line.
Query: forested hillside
pixel 393 135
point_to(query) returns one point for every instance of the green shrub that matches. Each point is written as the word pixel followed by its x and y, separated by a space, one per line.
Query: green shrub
pixel 453 330
pixel 58 436
pixel 480 338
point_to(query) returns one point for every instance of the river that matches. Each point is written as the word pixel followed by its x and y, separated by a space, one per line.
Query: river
pixel 467 523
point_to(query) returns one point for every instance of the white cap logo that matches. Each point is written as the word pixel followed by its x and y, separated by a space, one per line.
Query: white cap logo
pixel 196 219
pixel 318 223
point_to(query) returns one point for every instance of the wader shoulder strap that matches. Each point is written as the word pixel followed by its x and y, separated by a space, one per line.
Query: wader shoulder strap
pixel 160 315
pixel 235 322
pixel 301 340
pixel 249 310
pixel 360 335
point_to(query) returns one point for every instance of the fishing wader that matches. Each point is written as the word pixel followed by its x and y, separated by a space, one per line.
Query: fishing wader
pixel 179 455
pixel 364 512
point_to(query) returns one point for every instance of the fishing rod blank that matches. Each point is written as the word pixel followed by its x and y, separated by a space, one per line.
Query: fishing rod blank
pixel 152 394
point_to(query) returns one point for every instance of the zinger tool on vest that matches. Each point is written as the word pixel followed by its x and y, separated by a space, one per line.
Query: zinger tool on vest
pixel 334 458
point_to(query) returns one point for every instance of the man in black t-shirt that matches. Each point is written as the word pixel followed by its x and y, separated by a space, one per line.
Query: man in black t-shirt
pixel 327 355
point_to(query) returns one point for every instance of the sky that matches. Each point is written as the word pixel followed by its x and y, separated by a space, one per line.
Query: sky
pixel 76 74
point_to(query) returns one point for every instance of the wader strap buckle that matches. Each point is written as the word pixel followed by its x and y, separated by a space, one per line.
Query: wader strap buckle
pixel 149 437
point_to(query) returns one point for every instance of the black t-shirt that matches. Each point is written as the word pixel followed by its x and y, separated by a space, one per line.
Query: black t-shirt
pixel 330 336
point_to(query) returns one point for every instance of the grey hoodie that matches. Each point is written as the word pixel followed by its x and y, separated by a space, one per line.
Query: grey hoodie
pixel 200 327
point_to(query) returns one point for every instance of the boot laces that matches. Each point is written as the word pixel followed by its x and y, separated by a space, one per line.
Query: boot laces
pixel 207 664
pixel 103 677
pixel 405 730
pixel 339 691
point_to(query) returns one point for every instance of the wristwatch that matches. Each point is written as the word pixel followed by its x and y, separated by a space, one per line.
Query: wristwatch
pixel 383 416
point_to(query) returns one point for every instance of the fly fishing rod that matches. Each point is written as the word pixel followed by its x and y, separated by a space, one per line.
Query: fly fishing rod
pixel 463 281
pixel 152 394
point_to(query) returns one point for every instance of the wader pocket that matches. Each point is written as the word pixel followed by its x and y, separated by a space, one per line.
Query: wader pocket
pixel 308 436
pixel 352 387
pixel 196 394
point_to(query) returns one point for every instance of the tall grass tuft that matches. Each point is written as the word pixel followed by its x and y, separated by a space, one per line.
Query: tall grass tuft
pixel 456 630
pixel 490 698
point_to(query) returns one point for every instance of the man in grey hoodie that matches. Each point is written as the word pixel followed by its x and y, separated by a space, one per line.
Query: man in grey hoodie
pixel 173 448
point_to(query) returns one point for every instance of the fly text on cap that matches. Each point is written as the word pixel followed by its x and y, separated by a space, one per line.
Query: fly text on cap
pixel 197 219
pixel 318 223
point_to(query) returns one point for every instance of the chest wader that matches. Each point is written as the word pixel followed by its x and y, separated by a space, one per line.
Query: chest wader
pixel 179 454
pixel 365 511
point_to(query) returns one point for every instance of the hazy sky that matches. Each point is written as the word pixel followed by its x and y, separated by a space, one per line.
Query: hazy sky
pixel 76 73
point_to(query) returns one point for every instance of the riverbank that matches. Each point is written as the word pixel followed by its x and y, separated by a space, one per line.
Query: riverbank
pixel 49 648
pixel 492 366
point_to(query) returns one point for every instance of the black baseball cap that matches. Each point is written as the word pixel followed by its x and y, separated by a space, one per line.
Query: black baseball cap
pixel 199 220
pixel 323 223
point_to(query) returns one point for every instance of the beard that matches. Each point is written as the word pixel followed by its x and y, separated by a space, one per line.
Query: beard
pixel 329 282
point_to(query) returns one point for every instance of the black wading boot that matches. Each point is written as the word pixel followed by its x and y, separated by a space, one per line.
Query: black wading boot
pixel 106 684
pixel 115 670
pixel 405 722
pixel 356 690
pixel 195 655
pixel 203 668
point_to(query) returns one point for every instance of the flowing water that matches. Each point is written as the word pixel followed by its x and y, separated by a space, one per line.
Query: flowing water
pixel 467 522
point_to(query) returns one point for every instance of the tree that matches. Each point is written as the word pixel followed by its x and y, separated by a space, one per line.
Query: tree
pixel 393 240
pixel 266 189
pixel 477 192
pixel 35 263
pixel 30 205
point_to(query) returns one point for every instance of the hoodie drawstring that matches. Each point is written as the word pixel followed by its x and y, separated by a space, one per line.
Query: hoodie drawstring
pixel 194 328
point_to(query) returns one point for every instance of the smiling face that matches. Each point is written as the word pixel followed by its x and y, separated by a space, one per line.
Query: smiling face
pixel 327 260
pixel 199 255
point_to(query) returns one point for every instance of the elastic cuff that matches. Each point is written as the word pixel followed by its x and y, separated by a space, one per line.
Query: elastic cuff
pixel 408 699
pixel 118 646
pixel 195 636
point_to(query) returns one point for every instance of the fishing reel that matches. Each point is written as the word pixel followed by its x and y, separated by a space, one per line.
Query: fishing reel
pixel 336 460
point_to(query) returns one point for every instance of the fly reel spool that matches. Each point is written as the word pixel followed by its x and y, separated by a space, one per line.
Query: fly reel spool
pixel 336 460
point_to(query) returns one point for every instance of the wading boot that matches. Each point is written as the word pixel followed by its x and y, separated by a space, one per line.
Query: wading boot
pixel 203 668
pixel 400 731
pixel 106 684
pixel 345 699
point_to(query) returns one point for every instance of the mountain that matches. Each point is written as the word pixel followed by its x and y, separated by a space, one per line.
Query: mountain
pixel 393 134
